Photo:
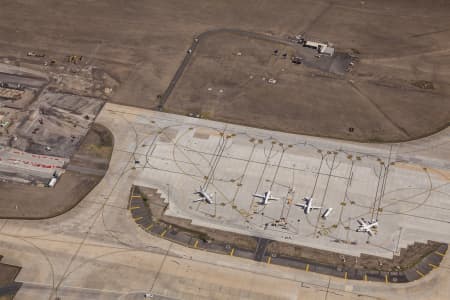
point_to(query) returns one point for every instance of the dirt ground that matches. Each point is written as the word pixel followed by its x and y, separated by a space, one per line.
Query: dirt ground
pixel 7 274
pixel 142 43
pixel 227 80
pixel 408 257
pixel 95 151
pixel 83 173
pixel 56 120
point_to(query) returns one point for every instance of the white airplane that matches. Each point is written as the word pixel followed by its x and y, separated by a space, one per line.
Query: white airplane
pixel 366 226
pixel 307 206
pixel 266 197
pixel 204 196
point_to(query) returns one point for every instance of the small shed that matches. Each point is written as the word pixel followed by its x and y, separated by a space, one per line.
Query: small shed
pixel 326 50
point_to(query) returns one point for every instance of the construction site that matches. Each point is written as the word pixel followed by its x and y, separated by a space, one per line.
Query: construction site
pixel 45 115
pixel 51 152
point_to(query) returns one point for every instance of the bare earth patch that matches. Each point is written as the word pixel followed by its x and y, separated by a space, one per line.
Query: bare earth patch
pixel 232 77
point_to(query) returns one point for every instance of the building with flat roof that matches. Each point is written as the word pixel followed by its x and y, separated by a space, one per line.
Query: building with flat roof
pixel 321 47
pixel 326 50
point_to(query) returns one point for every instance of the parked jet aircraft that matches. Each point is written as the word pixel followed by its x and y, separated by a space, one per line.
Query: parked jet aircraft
pixel 204 196
pixel 266 197
pixel 366 226
pixel 307 206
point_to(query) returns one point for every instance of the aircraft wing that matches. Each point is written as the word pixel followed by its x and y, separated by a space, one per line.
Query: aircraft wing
pixel 301 205
pixel 316 207
pixel 360 222
pixel 274 198
pixel 199 199
pixel 369 231
pixel 258 196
